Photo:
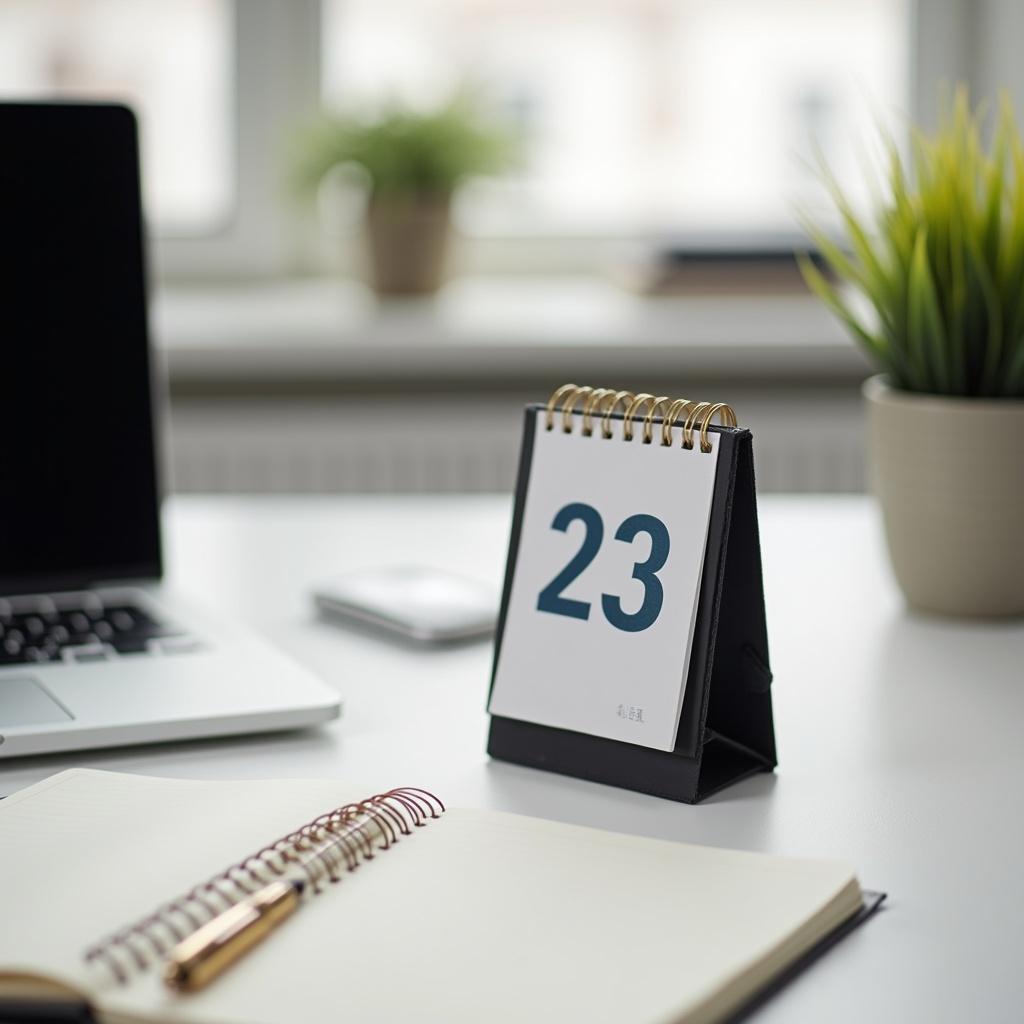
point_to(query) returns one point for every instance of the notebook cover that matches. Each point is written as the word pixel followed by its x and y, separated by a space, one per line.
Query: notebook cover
pixel 46 1012
pixel 872 901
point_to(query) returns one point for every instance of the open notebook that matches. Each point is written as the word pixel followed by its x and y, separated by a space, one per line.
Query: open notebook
pixel 476 916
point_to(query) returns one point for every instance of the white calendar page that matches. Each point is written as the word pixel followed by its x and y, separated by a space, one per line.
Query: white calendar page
pixel 598 630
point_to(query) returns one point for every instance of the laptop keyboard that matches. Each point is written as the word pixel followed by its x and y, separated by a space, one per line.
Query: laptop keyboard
pixel 78 628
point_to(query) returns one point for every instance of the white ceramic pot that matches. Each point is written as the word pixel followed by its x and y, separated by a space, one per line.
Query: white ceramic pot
pixel 949 473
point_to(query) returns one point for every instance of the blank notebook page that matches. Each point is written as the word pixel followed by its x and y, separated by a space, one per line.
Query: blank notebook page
pixel 478 915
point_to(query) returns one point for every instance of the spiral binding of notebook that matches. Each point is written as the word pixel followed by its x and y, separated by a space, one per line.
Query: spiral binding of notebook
pixel 668 413
pixel 314 854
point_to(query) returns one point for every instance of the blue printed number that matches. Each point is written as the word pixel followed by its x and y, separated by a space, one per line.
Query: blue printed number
pixel 645 572
pixel 550 599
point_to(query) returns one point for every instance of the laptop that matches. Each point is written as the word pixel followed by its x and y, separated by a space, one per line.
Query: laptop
pixel 92 651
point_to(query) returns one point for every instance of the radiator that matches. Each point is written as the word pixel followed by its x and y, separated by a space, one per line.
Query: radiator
pixel 802 444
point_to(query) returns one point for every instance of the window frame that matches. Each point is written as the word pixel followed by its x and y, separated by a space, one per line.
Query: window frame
pixel 275 80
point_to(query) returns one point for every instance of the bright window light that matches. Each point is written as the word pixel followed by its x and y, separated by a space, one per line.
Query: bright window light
pixel 640 116
pixel 170 60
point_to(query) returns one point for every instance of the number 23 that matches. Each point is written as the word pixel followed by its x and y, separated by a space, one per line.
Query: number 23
pixel 550 598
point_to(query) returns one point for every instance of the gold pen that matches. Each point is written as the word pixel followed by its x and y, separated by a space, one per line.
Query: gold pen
pixel 200 958
pixel 214 947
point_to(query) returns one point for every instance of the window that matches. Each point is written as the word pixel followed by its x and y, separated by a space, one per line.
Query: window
pixel 169 59
pixel 638 116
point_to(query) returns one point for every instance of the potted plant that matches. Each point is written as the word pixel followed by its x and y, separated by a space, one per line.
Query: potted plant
pixel 413 162
pixel 932 286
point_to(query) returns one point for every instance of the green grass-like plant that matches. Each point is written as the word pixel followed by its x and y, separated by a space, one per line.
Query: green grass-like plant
pixel 406 154
pixel 940 262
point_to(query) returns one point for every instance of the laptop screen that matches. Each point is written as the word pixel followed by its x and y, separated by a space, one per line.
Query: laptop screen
pixel 78 490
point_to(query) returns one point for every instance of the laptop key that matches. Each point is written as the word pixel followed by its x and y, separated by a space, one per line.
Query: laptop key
pixel 78 622
pixel 152 632
pixel 120 619
pixel 79 640
pixel 87 652
pixel 130 644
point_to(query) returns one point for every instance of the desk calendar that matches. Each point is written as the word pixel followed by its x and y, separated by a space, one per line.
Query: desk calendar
pixel 632 644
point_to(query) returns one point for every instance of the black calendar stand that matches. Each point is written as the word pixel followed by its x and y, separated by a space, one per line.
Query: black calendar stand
pixel 725 729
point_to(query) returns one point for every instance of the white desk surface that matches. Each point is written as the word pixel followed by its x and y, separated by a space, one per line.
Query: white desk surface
pixel 899 736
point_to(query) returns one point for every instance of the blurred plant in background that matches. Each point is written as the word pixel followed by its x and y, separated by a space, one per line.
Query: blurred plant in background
pixel 413 162
pixel 406 154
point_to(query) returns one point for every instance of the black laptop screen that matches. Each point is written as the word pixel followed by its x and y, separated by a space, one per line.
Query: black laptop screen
pixel 78 493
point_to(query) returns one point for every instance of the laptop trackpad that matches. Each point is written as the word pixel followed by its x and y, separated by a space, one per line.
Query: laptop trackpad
pixel 24 702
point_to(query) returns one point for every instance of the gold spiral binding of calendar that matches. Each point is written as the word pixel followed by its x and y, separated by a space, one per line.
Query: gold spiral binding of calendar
pixel 313 854
pixel 643 410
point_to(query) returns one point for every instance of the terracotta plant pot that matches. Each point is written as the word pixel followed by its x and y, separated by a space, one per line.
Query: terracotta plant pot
pixel 408 245
pixel 949 474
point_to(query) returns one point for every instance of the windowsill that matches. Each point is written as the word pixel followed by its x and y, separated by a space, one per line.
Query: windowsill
pixel 501 330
